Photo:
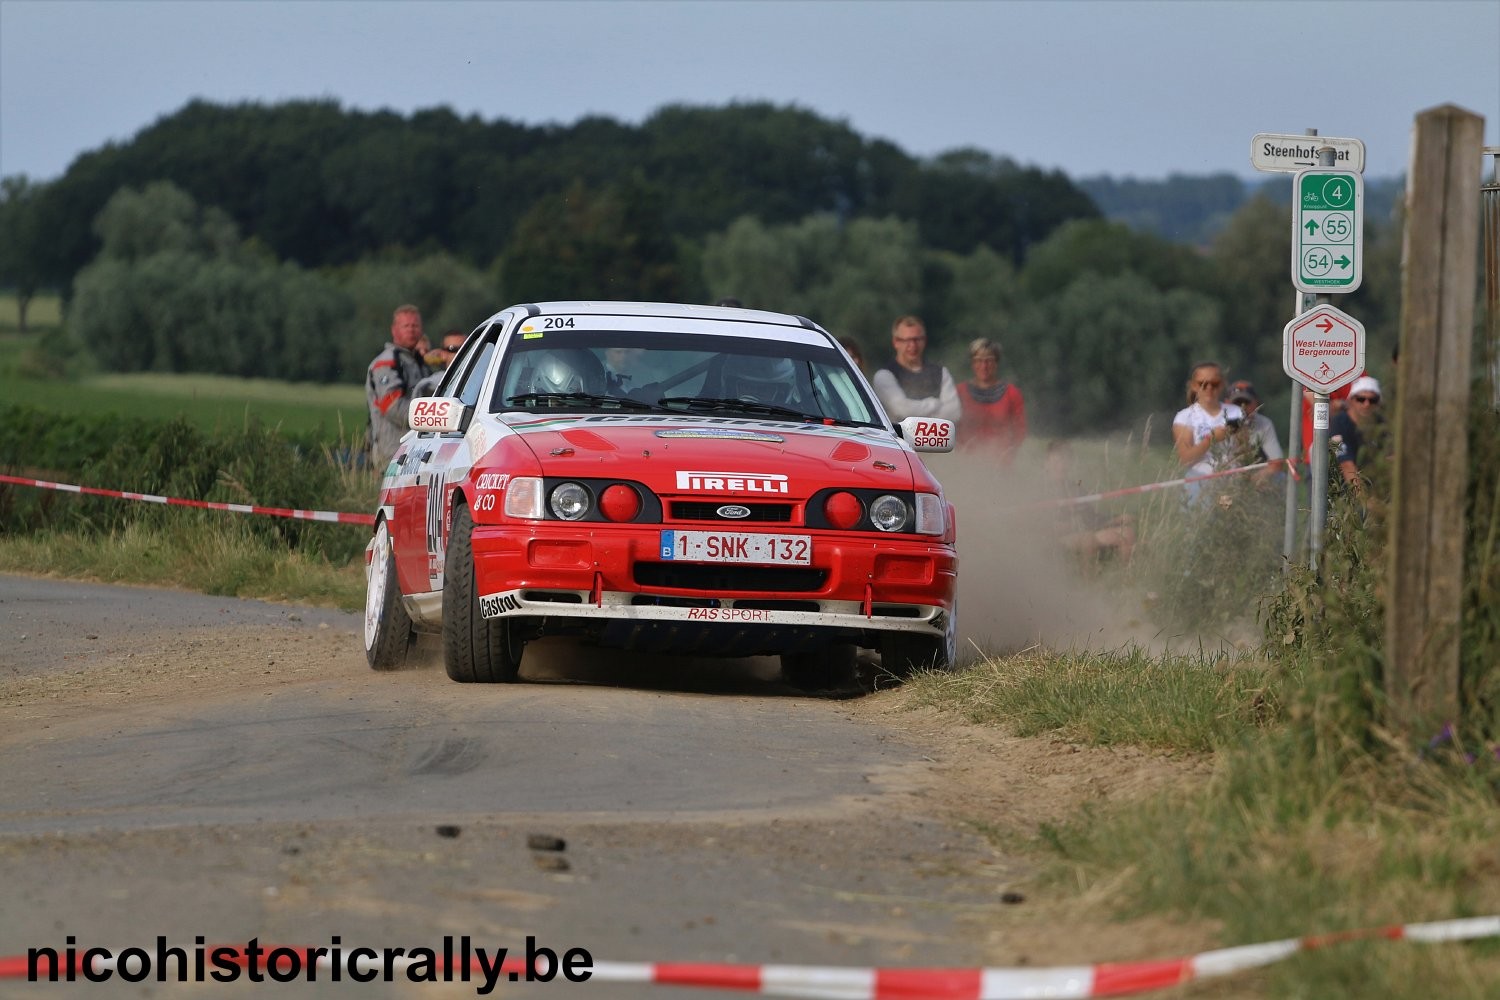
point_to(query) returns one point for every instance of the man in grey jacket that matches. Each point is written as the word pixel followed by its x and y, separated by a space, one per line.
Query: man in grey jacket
pixel 390 382
pixel 907 385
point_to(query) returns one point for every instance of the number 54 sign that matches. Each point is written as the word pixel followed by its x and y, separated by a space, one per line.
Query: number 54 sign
pixel 1328 223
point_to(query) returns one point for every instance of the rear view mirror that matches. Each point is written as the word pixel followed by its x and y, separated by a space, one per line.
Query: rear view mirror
pixel 928 433
pixel 440 414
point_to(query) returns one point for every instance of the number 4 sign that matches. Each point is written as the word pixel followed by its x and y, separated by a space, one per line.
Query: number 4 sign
pixel 1328 214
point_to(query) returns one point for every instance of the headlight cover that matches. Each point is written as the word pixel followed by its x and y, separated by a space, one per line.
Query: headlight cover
pixel 570 501
pixel 932 514
pixel 888 513
pixel 523 498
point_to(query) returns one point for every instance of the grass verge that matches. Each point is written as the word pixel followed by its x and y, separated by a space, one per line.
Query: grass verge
pixel 212 556
pixel 1287 837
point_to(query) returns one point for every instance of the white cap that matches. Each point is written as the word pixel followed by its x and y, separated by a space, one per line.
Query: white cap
pixel 1365 383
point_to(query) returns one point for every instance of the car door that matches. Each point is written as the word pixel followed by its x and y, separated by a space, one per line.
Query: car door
pixel 439 461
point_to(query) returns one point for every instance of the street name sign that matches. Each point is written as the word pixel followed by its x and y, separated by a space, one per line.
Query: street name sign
pixel 1324 349
pixel 1287 154
pixel 1328 230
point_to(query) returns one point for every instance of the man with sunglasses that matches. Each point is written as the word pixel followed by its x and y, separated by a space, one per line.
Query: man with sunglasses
pixel 1350 429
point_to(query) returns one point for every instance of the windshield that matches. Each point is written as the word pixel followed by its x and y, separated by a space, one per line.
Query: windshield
pixel 613 370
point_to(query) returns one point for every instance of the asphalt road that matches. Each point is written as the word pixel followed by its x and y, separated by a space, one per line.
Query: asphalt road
pixel 182 765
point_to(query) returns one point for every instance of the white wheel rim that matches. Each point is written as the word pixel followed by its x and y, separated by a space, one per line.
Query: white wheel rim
pixel 375 574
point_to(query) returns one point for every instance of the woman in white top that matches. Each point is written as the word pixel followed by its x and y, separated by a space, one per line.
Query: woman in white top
pixel 1203 430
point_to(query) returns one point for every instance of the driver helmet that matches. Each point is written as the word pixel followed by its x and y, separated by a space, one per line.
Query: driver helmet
pixel 764 380
pixel 560 371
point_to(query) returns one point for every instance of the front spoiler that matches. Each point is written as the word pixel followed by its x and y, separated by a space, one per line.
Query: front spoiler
pixel 722 626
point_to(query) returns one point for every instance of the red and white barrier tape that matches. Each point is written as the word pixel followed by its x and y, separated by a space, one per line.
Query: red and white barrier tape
pixel 1168 484
pixel 333 516
pixel 822 983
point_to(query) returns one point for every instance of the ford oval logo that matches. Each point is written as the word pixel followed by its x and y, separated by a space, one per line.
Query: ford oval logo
pixel 734 510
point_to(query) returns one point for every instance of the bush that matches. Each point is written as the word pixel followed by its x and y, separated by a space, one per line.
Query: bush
pixel 255 465
pixel 1336 620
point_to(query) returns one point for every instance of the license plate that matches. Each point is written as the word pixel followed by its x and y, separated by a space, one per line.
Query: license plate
pixel 737 547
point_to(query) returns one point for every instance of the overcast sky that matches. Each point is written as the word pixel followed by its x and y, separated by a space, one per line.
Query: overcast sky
pixel 1141 89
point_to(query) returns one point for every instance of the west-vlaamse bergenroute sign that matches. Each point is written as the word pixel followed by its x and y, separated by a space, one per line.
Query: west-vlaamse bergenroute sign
pixel 1324 349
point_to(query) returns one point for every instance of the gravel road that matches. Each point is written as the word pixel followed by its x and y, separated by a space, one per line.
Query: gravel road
pixel 183 765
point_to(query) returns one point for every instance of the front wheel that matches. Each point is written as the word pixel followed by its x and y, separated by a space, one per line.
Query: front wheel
pixel 475 648
pixel 388 631
pixel 829 668
pixel 903 652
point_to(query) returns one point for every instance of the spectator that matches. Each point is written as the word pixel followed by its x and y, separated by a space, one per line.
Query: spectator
pixel 908 386
pixel 1202 431
pixel 994 413
pixel 1092 537
pixel 1336 400
pixel 438 358
pixel 851 345
pixel 391 381
pixel 1349 431
pixel 1262 442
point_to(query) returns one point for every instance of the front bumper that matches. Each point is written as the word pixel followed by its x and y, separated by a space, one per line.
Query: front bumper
pixel 610 585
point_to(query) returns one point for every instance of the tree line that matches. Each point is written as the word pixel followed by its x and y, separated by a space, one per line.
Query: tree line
pixel 274 240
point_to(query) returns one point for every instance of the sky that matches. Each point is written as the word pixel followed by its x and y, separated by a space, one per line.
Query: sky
pixel 1123 88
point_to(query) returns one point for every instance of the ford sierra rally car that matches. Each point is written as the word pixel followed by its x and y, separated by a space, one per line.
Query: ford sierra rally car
pixel 664 478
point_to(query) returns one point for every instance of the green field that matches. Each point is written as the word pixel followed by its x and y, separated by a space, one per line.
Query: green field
pixel 211 402
pixel 43 315
pixel 41 368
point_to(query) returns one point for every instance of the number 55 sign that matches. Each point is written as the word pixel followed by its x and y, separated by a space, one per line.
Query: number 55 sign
pixel 1328 223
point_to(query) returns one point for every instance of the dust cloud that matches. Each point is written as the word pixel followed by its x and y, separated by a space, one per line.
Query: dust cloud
pixel 1018 584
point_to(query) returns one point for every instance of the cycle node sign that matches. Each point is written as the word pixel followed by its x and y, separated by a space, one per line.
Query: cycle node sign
pixel 1324 349
pixel 1328 215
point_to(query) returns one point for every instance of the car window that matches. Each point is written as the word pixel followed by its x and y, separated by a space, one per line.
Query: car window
pixel 592 371
pixel 473 379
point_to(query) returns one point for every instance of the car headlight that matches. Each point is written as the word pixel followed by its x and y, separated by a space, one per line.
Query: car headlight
pixel 932 514
pixel 570 501
pixel 523 498
pixel 888 513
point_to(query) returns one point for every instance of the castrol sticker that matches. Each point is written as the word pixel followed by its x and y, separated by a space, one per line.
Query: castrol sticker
pixel 442 414
pixel 928 433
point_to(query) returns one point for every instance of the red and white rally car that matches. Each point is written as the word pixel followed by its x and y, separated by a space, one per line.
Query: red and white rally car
pixel 685 479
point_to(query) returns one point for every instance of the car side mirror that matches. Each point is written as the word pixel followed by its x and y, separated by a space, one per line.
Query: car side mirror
pixel 439 415
pixel 928 433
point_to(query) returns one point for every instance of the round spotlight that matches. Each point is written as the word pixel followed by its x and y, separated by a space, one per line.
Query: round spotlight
pixel 843 510
pixel 570 501
pixel 620 503
pixel 888 513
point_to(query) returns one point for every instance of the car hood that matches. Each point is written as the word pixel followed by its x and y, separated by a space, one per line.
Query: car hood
pixel 671 454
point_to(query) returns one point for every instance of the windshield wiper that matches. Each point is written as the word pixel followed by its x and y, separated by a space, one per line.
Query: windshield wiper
pixel 747 406
pixel 588 398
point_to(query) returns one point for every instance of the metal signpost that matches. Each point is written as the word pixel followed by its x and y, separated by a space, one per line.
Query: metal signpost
pixel 1323 350
pixel 1328 216
pixel 1275 152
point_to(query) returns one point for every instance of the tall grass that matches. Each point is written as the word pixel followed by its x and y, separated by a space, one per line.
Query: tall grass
pixel 1315 817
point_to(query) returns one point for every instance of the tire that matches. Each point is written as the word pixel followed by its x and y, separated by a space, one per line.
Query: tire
pixel 475 648
pixel 901 653
pixel 388 632
pixel 828 668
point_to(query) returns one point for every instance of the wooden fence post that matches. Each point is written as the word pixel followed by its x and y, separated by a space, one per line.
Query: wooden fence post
pixel 1432 419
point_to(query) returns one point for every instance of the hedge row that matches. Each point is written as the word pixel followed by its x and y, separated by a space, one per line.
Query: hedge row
pixel 255 465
